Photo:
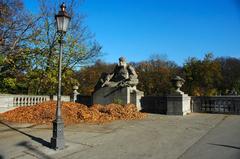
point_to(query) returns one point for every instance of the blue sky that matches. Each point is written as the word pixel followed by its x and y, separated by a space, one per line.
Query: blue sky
pixel 176 29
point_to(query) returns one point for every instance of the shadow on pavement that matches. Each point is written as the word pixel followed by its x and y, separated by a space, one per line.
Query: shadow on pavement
pixel 37 139
pixel 229 146
pixel 36 152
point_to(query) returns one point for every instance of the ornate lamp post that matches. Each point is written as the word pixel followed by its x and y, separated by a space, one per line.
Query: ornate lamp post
pixel 57 140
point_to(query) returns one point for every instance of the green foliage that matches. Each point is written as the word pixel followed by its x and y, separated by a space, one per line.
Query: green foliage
pixel 118 101
pixel 1 59
pixel 29 53
pixel 9 83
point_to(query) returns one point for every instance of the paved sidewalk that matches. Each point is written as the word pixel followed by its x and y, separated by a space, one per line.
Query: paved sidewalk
pixel 156 137
pixel 222 142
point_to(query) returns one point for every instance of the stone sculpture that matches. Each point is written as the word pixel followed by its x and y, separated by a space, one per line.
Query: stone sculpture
pixel 124 75
pixel 177 82
pixel 178 103
pixel 120 85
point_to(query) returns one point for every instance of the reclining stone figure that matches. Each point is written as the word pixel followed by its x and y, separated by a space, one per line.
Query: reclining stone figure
pixel 124 75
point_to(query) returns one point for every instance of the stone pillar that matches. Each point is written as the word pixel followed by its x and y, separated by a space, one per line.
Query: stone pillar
pixel 135 98
pixel 178 103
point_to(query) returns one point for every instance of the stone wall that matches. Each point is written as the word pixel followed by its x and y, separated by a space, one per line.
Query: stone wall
pixel 125 95
pixel 63 98
pixel 154 104
pixel 86 100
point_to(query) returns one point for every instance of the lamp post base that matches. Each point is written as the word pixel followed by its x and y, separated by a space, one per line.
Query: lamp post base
pixel 57 141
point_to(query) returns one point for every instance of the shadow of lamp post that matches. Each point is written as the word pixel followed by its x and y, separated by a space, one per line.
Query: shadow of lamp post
pixel 57 140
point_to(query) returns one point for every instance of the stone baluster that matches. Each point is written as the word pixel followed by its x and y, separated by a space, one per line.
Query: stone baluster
pixel 30 101
pixel 14 101
pixel 24 101
pixel 17 101
pixel 216 105
pixel 27 101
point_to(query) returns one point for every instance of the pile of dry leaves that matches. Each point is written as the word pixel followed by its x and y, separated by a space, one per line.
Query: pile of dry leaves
pixel 72 113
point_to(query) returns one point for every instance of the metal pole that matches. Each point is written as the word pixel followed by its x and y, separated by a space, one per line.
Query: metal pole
pixel 57 141
pixel 58 111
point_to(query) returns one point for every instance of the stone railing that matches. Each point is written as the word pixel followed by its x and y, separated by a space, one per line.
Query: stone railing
pixel 29 100
pixel 216 104
pixel 213 104
pixel 150 104
pixel 10 101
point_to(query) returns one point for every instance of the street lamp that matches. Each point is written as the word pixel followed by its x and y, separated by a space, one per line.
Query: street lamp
pixel 57 140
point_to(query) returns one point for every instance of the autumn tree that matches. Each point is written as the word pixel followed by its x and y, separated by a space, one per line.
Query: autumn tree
pixel 79 48
pixel 16 29
pixel 230 71
pixel 155 75
pixel 31 44
pixel 203 77
pixel 89 75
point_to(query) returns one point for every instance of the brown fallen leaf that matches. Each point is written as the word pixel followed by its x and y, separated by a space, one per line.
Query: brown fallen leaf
pixel 72 113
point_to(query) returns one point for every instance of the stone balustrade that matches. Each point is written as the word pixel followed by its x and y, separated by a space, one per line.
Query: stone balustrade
pixel 216 104
pixel 211 104
pixel 29 100
pixel 10 101
pixel 151 104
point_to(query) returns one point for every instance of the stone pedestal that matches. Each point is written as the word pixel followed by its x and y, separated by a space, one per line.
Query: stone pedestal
pixel 57 141
pixel 178 104
pixel 126 95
